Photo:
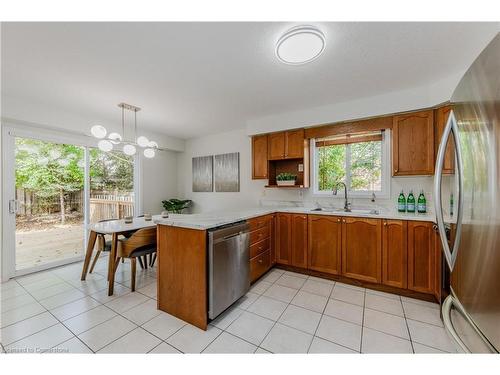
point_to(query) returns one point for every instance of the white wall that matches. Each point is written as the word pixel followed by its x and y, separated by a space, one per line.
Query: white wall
pixel 234 141
pixel 159 180
pixel 253 192
pixel 399 101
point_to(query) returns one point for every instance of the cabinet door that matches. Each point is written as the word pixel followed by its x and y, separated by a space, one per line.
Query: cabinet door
pixel 394 253
pixel 324 250
pixel 421 256
pixel 441 117
pixel 362 249
pixel 259 157
pixel 272 223
pixel 276 146
pixel 283 238
pixel 299 241
pixel 413 144
pixel 294 147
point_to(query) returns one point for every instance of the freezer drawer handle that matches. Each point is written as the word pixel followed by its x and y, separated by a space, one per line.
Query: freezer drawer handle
pixel 451 127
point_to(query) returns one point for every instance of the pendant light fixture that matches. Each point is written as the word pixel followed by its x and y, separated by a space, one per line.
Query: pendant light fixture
pixel 114 138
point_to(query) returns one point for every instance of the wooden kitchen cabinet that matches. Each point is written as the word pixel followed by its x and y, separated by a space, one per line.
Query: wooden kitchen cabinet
pixel 324 244
pixel 441 118
pixel 259 157
pixel 299 240
pixel 421 257
pixel 362 249
pixel 273 239
pixel 294 144
pixel 261 245
pixel 286 145
pixel 283 238
pixel 394 253
pixel 276 146
pixel 413 144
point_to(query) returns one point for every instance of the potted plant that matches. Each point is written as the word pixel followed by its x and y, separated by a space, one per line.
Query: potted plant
pixel 286 179
pixel 176 206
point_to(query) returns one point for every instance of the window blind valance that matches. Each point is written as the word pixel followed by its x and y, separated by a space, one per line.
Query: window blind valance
pixel 345 139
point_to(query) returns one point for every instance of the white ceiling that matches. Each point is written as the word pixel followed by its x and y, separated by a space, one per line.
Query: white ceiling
pixel 194 79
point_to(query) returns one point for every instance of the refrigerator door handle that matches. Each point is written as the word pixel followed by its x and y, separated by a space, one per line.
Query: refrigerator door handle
pixel 448 325
pixel 451 127
pixel 452 301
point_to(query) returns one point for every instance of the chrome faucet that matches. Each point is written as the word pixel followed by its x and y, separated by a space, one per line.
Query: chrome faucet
pixel 347 205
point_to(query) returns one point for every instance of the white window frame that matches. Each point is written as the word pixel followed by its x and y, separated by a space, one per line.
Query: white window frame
pixel 385 193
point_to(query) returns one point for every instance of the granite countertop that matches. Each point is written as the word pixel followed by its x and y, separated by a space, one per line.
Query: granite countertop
pixel 211 220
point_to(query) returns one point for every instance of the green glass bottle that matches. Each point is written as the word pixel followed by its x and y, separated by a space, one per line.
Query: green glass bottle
pixel 421 203
pixel 410 202
pixel 401 202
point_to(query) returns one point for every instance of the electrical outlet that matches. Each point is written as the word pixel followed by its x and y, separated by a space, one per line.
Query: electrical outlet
pixel 301 167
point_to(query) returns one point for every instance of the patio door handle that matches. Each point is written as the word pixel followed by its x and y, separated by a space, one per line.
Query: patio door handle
pixel 13 206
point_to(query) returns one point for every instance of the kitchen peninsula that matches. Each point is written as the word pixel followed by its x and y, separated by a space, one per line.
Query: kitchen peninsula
pixel 387 251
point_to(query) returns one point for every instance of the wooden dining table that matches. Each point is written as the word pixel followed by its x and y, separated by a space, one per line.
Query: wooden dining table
pixel 113 228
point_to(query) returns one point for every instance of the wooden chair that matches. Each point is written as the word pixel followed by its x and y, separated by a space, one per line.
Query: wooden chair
pixel 141 243
pixel 102 245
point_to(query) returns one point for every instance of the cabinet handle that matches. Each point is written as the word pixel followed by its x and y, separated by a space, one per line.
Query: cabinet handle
pixel 343 221
pixel 385 223
pixel 260 260
pixel 395 171
pixel 338 220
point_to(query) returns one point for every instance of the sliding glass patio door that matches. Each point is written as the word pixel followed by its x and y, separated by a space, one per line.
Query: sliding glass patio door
pixel 51 190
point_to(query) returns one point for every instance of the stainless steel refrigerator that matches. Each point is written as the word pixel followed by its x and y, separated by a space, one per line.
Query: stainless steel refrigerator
pixel 471 313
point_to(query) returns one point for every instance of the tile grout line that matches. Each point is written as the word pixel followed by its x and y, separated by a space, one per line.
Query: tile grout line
pixel 322 314
pixel 362 323
pixel 407 327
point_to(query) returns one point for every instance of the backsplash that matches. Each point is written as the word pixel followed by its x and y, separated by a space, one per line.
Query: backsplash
pixel 305 197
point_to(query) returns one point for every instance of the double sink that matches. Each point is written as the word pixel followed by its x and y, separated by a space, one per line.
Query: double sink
pixel 352 211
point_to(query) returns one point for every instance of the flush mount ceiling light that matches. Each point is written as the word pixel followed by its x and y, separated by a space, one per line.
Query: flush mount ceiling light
pixel 300 45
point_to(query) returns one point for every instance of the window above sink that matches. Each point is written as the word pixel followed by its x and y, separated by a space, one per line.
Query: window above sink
pixel 360 160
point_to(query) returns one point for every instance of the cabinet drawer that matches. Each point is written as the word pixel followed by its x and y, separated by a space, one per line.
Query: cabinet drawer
pixel 259 234
pixel 259 247
pixel 259 265
pixel 258 222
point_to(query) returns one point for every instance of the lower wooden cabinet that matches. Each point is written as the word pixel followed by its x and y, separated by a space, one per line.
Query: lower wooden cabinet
pixel 325 243
pixel 283 238
pixel 299 241
pixel 362 249
pixel 421 257
pixel 394 253
pixel 259 265
pixel 273 239
pixel 261 245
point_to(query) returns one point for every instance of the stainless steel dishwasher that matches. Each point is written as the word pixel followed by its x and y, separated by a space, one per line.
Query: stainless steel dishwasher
pixel 229 266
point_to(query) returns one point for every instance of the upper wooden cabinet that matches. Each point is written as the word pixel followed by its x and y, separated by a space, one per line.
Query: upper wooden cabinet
pixel 283 238
pixel 259 157
pixel 421 257
pixel 299 240
pixel 294 144
pixel 394 253
pixel 286 145
pixel 413 144
pixel 441 118
pixel 362 249
pixel 325 243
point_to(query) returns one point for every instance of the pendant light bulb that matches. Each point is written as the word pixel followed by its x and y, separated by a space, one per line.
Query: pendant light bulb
pixel 129 150
pixel 98 131
pixel 105 145
pixel 149 153
pixel 142 141
pixel 114 138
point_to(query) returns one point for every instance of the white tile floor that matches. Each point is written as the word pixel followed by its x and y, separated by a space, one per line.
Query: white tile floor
pixel 53 311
